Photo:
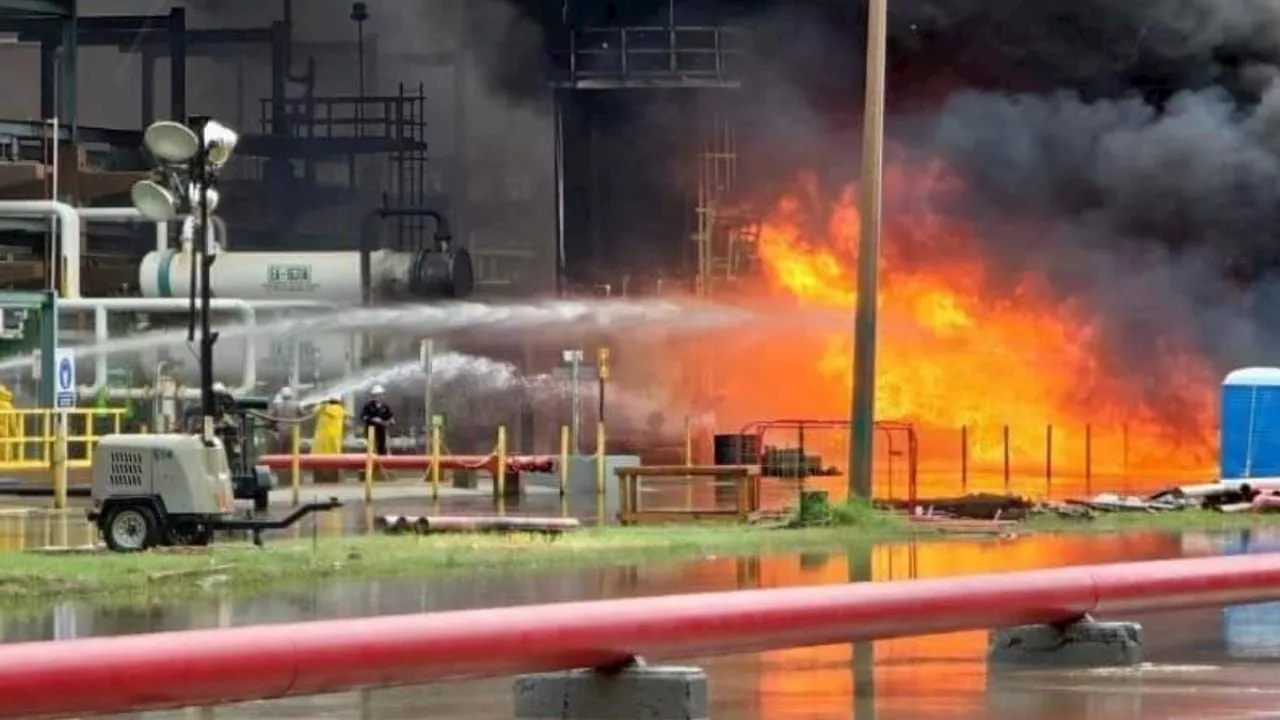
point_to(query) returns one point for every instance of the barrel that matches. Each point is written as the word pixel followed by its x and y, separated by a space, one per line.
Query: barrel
pixel 736 449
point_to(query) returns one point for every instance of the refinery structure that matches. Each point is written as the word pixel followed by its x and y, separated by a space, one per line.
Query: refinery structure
pixel 408 155
pixel 367 166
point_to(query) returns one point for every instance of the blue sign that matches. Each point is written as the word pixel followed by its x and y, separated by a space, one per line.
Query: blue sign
pixel 64 390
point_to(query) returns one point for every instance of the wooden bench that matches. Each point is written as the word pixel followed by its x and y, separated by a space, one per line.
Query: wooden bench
pixel 744 480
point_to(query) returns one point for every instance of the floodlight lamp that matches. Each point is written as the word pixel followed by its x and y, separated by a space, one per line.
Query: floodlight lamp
pixel 171 141
pixel 154 201
pixel 193 194
pixel 219 141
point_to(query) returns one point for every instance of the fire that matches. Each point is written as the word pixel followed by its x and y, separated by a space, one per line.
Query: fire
pixel 959 345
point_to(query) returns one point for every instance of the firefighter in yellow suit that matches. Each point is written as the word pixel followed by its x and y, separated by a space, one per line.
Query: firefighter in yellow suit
pixel 9 425
pixel 331 425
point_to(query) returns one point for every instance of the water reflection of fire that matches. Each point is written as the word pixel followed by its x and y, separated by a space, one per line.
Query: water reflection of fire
pixel 958 346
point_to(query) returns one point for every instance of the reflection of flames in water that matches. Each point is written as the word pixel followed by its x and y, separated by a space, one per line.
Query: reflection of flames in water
pixel 958 345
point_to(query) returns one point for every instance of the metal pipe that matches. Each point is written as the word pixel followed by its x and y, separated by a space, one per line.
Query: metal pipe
pixel 246 309
pixel 124 215
pixel 68 231
pixel 71 678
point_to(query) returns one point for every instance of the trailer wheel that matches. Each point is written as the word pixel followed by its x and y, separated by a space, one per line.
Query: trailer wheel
pixel 130 528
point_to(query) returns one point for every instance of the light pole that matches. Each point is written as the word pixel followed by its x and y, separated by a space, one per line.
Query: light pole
pixel 190 157
pixel 863 406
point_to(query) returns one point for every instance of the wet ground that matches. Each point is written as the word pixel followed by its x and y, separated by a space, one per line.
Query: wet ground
pixel 1217 663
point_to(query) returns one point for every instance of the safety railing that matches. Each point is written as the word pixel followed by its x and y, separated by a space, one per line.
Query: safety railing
pixel 29 437
pixel 313 658
pixel 503 466
pixel 672 54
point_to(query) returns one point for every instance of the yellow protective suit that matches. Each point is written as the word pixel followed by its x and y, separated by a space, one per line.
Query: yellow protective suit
pixel 8 425
pixel 331 422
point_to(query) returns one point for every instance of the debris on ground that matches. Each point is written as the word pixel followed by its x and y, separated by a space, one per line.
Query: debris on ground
pixel 978 506
pixel 1234 497
pixel 427 524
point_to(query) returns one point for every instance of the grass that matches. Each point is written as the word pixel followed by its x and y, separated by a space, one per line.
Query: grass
pixel 1163 521
pixel 181 573
pixel 27 579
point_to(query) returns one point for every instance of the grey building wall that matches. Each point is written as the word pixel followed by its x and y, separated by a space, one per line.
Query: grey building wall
pixel 502 149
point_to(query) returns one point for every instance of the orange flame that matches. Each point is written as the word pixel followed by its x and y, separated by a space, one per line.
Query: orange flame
pixel 958 346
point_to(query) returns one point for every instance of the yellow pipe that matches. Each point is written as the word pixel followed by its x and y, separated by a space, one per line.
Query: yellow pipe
pixel 368 464
pixel 600 456
pixel 436 443
pixel 116 421
pixel 500 471
pixel 564 460
pixel 295 462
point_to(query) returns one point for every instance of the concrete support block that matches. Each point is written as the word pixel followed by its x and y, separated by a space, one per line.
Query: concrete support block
pixel 1082 644
pixel 636 693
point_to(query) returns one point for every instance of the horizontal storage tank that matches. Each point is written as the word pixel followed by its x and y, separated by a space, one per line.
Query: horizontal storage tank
pixel 333 277
pixel 1250 439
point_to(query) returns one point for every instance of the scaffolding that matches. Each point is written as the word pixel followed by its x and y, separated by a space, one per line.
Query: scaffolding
pixel 726 235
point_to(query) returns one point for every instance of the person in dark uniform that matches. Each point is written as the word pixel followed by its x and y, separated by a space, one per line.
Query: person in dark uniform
pixel 377 415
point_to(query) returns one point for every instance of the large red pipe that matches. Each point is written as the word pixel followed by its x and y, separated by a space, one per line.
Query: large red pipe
pixel 356 461
pixel 204 667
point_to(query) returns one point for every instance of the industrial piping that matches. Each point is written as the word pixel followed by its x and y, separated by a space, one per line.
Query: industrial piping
pixel 246 309
pixel 68 233
pixel 123 215
pixel 69 678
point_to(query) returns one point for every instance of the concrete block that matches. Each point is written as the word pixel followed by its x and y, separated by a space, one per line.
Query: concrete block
pixel 1081 644
pixel 639 693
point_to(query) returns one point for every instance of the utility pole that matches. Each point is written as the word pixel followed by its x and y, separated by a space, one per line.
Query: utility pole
pixel 862 411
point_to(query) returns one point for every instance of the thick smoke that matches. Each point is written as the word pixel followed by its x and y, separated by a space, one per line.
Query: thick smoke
pixel 1130 151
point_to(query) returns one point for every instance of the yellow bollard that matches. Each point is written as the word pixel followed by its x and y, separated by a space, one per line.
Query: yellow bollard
pixel 295 462
pixel 564 460
pixel 46 437
pixel 500 471
pixel 58 464
pixel 436 443
pixel 600 459
pixel 368 464
pixel 688 442
pixel 688 462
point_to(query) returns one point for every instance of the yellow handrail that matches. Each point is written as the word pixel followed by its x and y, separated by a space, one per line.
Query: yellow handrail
pixel 28 437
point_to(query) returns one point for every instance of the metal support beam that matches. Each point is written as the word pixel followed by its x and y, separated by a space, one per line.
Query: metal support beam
pixel 177 31
pixel 68 74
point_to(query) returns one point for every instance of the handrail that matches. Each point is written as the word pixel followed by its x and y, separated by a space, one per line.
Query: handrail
pixel 69 678
pixel 17 436
pixel 644 51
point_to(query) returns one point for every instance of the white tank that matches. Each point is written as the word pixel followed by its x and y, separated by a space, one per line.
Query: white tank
pixel 333 277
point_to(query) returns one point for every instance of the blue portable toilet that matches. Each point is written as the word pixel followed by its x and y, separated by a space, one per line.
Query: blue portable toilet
pixel 1250 444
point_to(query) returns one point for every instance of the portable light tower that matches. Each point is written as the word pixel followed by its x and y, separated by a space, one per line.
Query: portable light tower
pixel 185 181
